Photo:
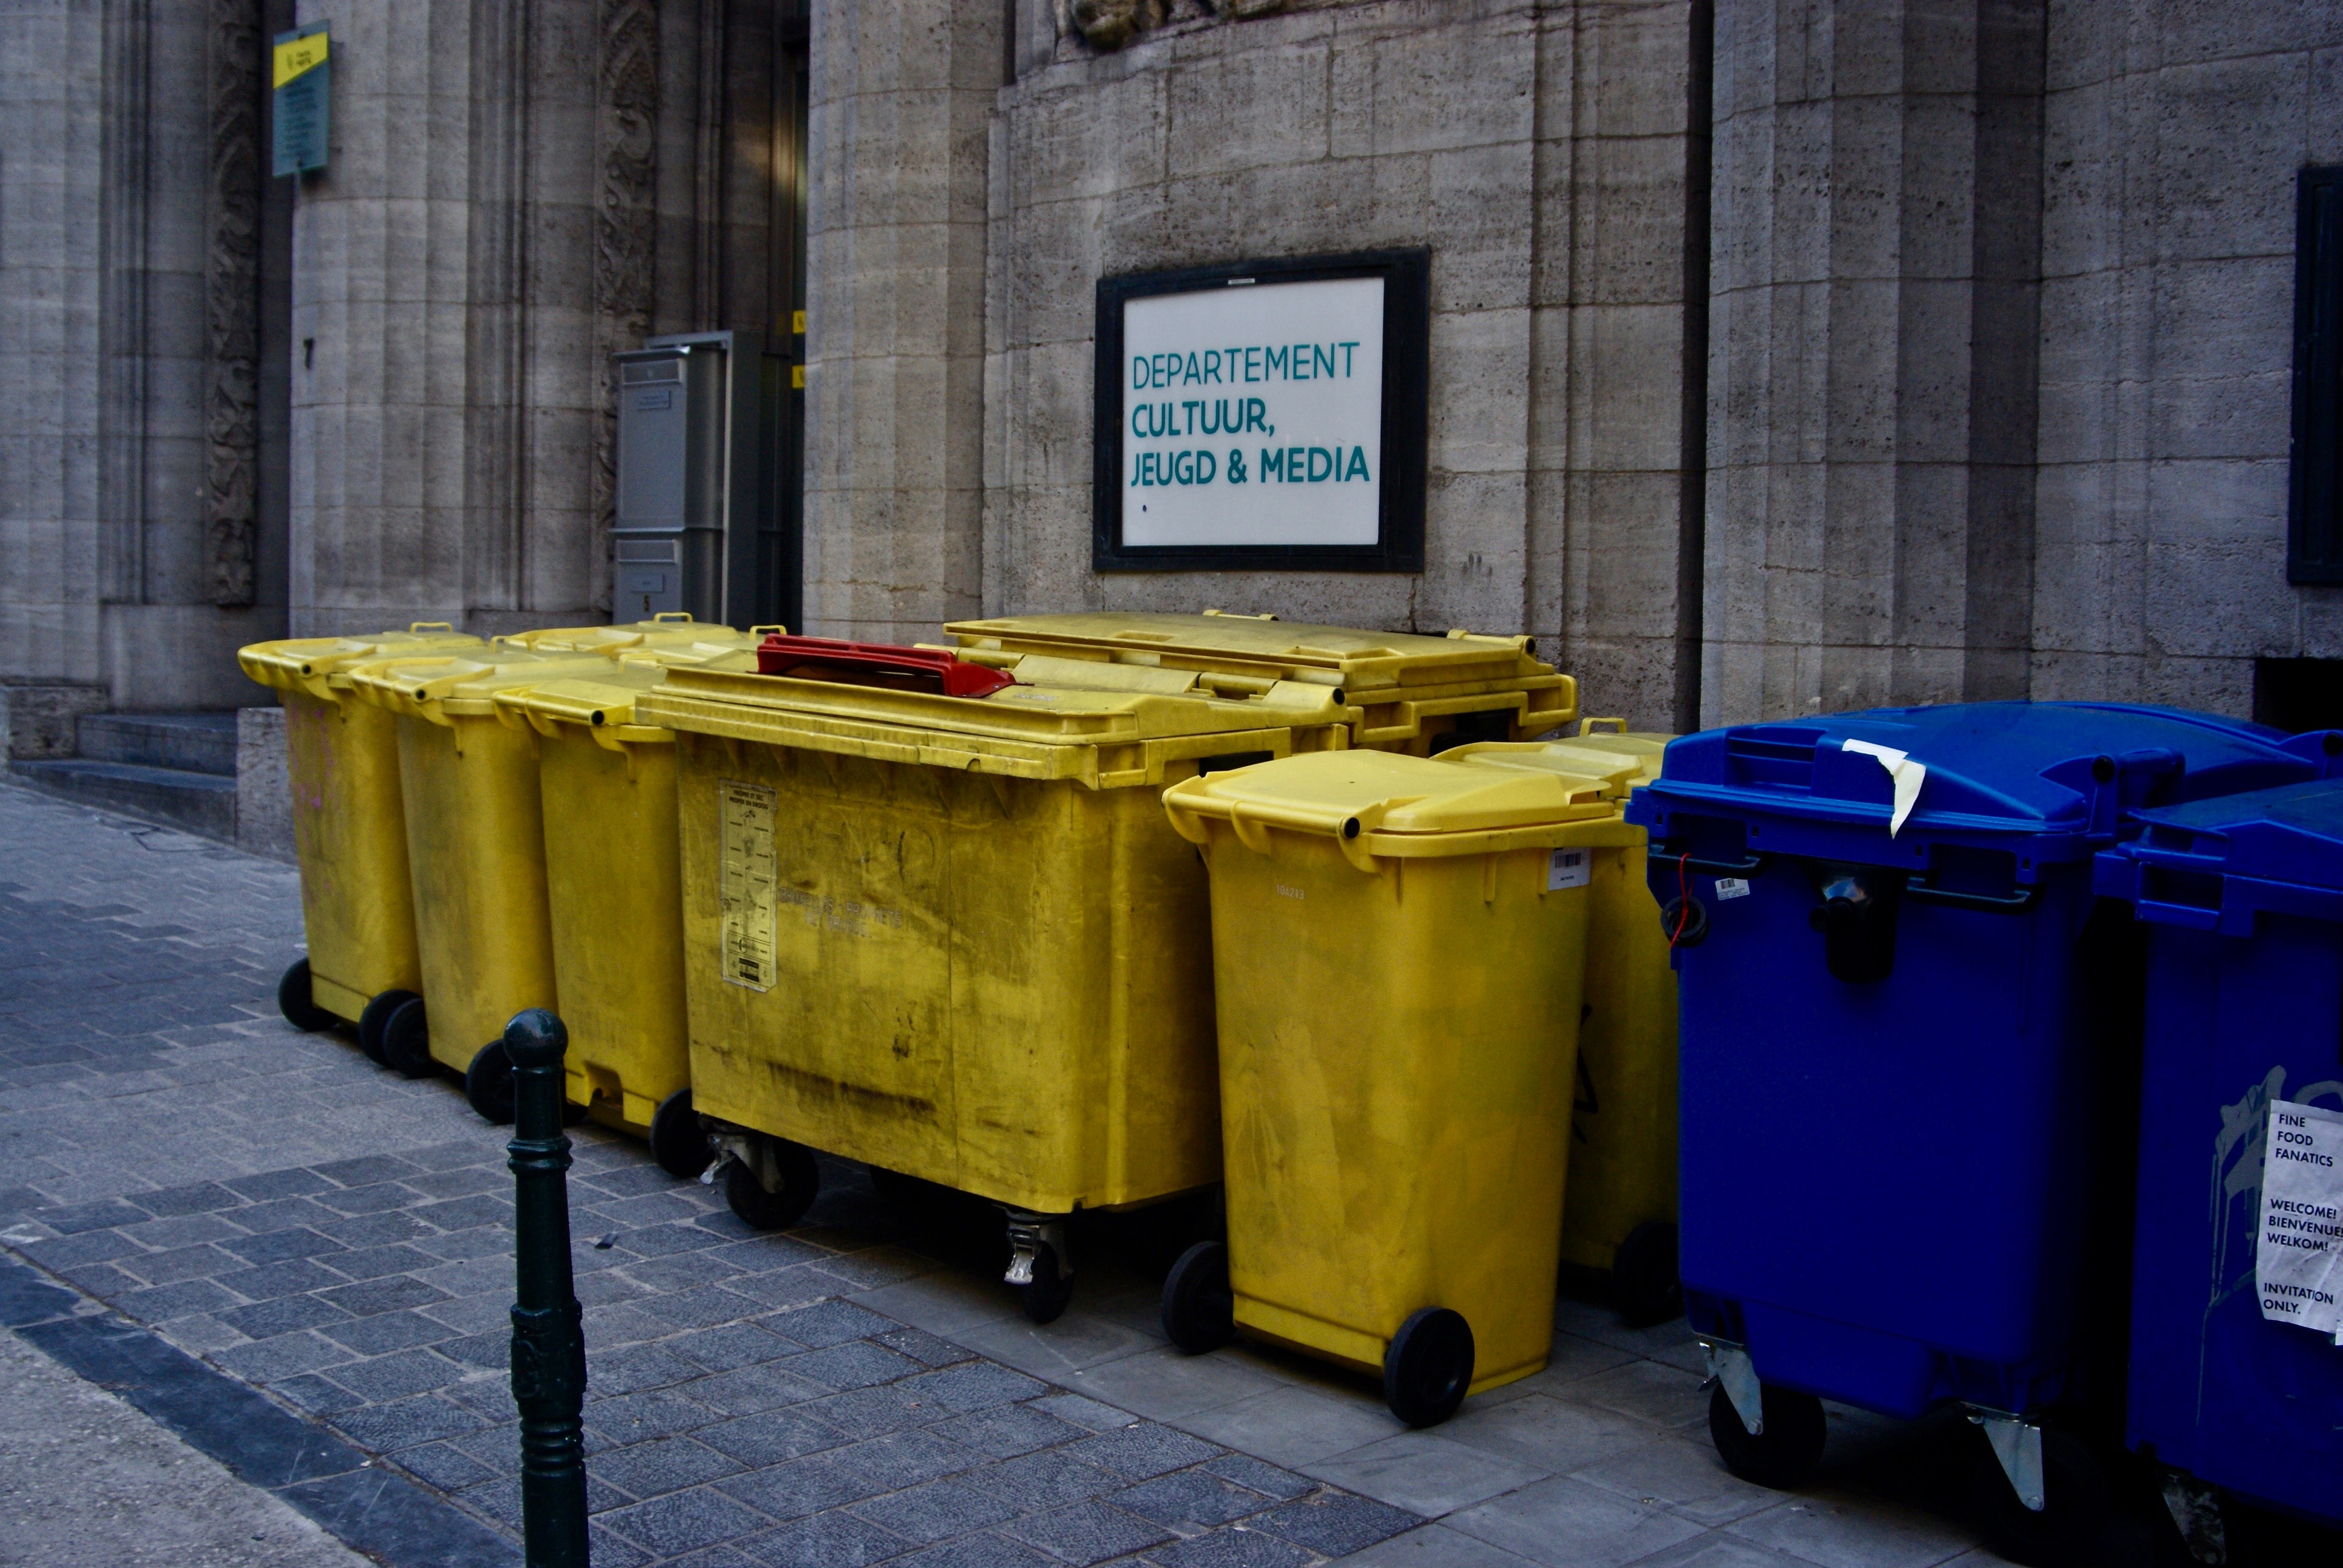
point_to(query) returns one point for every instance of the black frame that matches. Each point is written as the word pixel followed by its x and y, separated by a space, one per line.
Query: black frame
pixel 1407 346
pixel 2314 534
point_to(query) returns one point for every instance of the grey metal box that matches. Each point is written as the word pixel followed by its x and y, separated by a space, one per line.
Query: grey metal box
pixel 690 484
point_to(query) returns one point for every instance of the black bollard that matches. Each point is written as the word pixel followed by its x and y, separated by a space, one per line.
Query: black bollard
pixel 549 1343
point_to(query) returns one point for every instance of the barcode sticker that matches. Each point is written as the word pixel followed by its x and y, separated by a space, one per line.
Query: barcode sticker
pixel 1567 868
pixel 1731 888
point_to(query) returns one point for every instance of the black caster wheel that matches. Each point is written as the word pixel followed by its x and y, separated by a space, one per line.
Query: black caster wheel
pixel 2067 1532
pixel 1644 1280
pixel 407 1040
pixel 1199 1309
pixel 377 1016
pixel 293 999
pixel 488 1084
pixel 1045 1298
pixel 1428 1366
pixel 678 1142
pixel 1786 1454
pixel 775 1208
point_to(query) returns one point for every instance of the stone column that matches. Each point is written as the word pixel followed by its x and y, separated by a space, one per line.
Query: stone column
pixel 895 309
pixel 1876 215
pixel 127 182
pixel 445 377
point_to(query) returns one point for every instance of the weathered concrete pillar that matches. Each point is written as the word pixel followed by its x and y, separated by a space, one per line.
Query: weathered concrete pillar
pixel 895 306
pixel 1877 193
pixel 445 377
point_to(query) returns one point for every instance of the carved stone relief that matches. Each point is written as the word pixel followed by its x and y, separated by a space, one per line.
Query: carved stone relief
pixel 232 301
pixel 1111 24
pixel 625 219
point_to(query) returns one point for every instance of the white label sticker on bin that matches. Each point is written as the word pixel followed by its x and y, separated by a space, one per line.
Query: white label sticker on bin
pixel 2298 1261
pixel 1567 868
pixel 1731 888
pixel 745 882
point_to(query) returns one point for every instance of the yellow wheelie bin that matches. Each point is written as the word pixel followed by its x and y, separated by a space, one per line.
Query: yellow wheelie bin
pixel 349 834
pixel 613 881
pixel 937 923
pixel 1621 1217
pixel 1397 948
pixel 1405 692
pixel 476 840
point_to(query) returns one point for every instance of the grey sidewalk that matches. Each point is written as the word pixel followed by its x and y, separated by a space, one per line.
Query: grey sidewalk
pixel 858 1390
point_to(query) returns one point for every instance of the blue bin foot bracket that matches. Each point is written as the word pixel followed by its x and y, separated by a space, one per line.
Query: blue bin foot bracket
pixel 1729 1365
pixel 2195 1510
pixel 2017 1444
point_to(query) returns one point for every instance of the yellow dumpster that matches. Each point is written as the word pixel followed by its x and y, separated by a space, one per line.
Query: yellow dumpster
pixel 1621 1216
pixel 607 784
pixel 1405 692
pixel 476 840
pixel 1397 948
pixel 349 834
pixel 953 936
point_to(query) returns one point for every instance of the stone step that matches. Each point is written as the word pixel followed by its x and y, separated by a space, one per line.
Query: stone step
pixel 188 742
pixel 201 803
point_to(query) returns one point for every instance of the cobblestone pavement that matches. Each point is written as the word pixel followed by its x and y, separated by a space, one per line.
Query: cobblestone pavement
pixel 859 1390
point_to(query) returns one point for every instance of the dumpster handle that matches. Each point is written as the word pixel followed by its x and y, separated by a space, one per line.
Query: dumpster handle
pixel 414 625
pixel 1586 726
pixel 1717 868
pixel 2017 903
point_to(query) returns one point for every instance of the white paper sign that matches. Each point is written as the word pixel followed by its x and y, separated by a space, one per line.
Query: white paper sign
pixel 1252 415
pixel 2298 1261
pixel 1731 888
pixel 1568 869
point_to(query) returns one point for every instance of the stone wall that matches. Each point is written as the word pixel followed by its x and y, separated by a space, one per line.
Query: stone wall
pixel 1540 149
pixel 2173 134
pixel 128 304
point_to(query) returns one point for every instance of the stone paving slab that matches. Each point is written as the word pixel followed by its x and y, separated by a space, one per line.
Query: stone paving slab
pixel 860 1390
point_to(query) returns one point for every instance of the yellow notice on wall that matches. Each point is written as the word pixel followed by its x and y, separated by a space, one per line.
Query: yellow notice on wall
pixel 297 56
pixel 745 883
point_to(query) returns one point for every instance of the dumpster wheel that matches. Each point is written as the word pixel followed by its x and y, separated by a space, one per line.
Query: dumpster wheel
pixel 295 1001
pixel 488 1084
pixel 2065 1532
pixel 1199 1309
pixel 678 1142
pixel 770 1184
pixel 1046 1295
pixel 1785 1452
pixel 1428 1366
pixel 407 1040
pixel 376 1017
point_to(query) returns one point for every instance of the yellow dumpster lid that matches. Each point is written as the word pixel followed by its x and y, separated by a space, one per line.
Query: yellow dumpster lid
pixel 310 661
pixel 672 629
pixel 1107 739
pixel 1263 648
pixel 461 685
pixel 1631 757
pixel 1384 803
pixel 602 700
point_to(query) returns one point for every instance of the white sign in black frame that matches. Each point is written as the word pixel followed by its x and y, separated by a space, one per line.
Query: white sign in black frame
pixel 1133 471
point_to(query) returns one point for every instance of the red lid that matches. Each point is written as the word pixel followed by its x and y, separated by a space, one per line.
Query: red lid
pixel 882 664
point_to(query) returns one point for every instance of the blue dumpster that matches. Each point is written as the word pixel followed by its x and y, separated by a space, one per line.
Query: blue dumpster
pixel 1890 1120
pixel 2237 1364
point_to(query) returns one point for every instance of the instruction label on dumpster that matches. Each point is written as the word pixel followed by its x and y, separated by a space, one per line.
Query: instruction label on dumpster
pixel 2298 1263
pixel 745 883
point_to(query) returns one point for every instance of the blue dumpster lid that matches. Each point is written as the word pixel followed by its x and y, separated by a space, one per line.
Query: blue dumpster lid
pixel 2051 781
pixel 2214 865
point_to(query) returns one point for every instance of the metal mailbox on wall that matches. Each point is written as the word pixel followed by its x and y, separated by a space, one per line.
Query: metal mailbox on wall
pixel 693 429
